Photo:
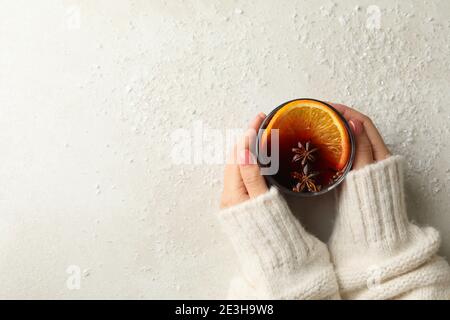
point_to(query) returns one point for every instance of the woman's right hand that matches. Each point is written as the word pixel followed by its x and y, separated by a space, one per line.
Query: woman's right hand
pixel 242 178
pixel 370 146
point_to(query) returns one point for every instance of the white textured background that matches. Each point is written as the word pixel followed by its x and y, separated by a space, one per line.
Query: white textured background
pixel 90 92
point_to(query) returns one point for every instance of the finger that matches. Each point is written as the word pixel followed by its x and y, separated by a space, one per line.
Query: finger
pixel 232 176
pixel 343 109
pixel 234 190
pixel 256 122
pixel 251 175
pixel 232 168
pixel 248 139
pixel 363 152
pixel 379 148
pixel 252 131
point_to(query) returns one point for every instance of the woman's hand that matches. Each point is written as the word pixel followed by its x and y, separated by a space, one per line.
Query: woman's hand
pixel 370 146
pixel 243 179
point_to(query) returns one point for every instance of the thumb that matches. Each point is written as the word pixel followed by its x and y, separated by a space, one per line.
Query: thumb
pixel 253 180
pixel 364 153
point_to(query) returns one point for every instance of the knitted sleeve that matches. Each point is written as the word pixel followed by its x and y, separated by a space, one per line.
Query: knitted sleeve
pixel 377 252
pixel 278 258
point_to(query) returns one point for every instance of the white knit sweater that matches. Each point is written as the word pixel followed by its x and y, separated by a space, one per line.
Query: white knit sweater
pixel 373 253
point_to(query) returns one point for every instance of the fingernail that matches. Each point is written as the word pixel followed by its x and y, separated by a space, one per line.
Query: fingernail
pixel 262 115
pixel 356 126
pixel 246 158
pixel 352 125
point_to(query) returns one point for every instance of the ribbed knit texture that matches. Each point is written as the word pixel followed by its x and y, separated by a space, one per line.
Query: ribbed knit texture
pixel 377 252
pixel 279 258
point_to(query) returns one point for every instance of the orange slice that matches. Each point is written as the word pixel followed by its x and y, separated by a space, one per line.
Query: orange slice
pixel 308 120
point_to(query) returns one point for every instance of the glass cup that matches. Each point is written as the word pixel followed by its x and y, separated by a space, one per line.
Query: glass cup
pixel 278 179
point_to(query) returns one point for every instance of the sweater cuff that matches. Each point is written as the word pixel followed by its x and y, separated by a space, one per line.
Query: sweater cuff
pixel 265 235
pixel 371 206
pixel 372 240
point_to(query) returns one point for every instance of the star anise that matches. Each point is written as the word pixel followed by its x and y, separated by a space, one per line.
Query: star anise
pixel 305 180
pixel 304 153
